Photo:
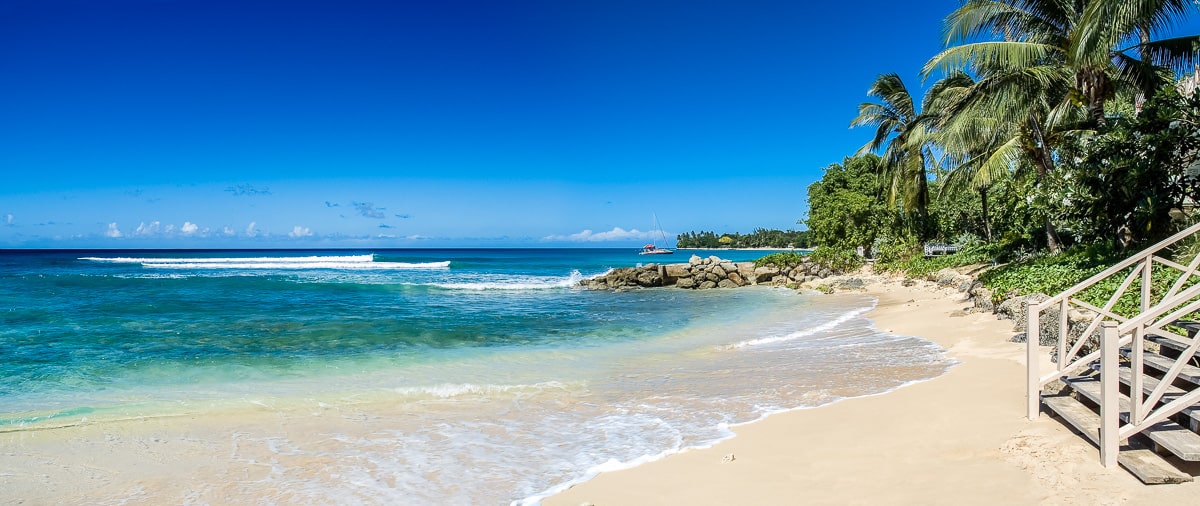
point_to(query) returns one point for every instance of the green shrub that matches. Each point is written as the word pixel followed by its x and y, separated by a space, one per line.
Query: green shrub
pixel 1053 274
pixel 781 259
pixel 917 265
pixel 836 259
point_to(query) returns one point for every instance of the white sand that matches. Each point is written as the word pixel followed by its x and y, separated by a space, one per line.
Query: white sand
pixel 961 438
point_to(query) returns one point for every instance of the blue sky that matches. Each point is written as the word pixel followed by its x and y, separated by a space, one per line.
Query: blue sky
pixel 208 123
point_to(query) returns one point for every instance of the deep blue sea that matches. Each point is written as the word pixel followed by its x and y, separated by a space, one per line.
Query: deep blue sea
pixel 422 376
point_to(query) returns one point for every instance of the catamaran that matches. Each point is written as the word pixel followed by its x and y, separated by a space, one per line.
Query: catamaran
pixel 652 248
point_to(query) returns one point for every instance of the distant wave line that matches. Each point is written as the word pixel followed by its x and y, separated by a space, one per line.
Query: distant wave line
pixel 519 284
pixel 127 260
pixel 366 266
pixel 356 262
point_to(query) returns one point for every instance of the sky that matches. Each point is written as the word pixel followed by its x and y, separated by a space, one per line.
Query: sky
pixel 378 124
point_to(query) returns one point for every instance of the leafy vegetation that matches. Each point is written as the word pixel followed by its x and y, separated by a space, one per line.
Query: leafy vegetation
pixel 919 265
pixel 836 259
pixel 759 238
pixel 1056 136
pixel 781 259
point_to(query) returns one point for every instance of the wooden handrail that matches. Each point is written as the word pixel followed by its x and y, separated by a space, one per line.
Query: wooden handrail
pixel 1122 265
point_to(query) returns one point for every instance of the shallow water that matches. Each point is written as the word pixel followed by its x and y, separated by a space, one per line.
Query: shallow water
pixel 485 381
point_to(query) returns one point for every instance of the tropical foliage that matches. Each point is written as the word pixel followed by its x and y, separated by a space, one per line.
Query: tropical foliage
pixel 759 238
pixel 1048 126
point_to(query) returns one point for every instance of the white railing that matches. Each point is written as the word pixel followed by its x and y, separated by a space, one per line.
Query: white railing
pixel 1119 330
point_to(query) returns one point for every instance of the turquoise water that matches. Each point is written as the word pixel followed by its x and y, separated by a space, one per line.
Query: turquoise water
pixel 476 367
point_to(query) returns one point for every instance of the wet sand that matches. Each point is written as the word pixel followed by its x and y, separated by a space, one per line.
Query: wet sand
pixel 961 438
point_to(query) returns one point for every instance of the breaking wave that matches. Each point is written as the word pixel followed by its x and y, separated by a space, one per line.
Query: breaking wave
pixel 350 262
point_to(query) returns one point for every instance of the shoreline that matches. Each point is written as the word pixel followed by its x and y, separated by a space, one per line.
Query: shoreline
pixel 960 437
pixel 743 249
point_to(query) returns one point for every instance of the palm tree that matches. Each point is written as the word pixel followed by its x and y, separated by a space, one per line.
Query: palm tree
pixel 1084 37
pixel 1047 67
pixel 1101 44
pixel 966 138
pixel 900 134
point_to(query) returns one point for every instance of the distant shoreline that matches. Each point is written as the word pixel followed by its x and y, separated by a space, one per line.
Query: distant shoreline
pixel 744 249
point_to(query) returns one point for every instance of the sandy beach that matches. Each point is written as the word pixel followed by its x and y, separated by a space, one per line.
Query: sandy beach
pixel 961 438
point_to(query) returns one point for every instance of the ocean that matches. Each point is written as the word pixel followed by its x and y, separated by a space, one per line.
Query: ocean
pixel 418 376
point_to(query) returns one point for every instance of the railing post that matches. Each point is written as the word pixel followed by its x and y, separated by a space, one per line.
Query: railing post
pixel 1136 392
pixel 1147 281
pixel 1062 331
pixel 1034 378
pixel 1110 408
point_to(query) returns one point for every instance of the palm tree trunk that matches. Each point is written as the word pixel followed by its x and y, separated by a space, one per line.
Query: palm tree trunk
pixel 987 225
pixel 923 198
pixel 1043 163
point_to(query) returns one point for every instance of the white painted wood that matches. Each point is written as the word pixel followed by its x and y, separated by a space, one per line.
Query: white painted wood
pixel 1110 408
pixel 1137 394
pixel 1033 394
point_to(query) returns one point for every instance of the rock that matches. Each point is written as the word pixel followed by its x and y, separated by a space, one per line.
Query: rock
pixel 983 299
pixel 908 282
pixel 706 285
pixel 1014 308
pixel 737 278
pixel 672 273
pixel 649 278
pixel 728 266
pixel 695 260
pixel 851 284
pixel 686 282
pixel 825 273
pixel 809 279
pixel 716 269
pixel 712 260
pixel 746 270
pixel 765 273
pixel 727 283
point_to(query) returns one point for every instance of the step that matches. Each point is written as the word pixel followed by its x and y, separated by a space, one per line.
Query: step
pixel 1189 373
pixel 1170 342
pixel 1171 436
pixel 1192 327
pixel 1149 383
pixel 1148 466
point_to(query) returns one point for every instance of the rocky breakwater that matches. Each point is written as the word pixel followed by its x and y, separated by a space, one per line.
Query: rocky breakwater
pixel 711 272
pixel 704 273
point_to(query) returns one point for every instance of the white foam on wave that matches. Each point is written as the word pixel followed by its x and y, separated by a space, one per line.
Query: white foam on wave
pixel 355 262
pixel 372 266
pixel 519 283
pixel 451 390
pixel 824 327
pixel 129 260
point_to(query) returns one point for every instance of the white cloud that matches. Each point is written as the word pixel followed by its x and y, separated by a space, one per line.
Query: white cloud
pixel 228 232
pixel 250 230
pixel 188 228
pixel 169 229
pixel 143 229
pixel 299 231
pixel 616 234
pixel 112 231
pixel 8 218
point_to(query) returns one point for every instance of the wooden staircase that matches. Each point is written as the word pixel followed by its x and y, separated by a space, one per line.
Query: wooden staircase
pixel 1138 396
